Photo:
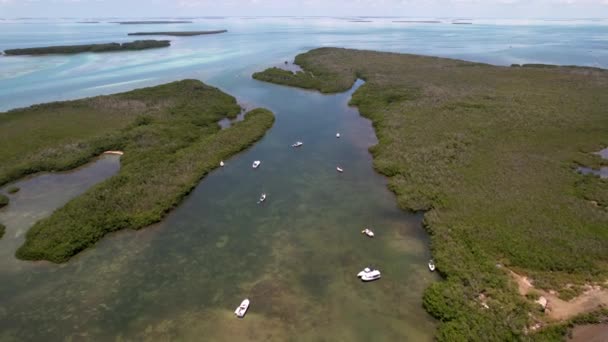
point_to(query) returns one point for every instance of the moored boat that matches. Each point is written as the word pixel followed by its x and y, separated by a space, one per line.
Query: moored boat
pixel 256 164
pixel 431 265
pixel 242 309
pixel 337 135
pixel 222 163
pixel 369 274
pixel 262 198
pixel 339 169
pixel 297 144
pixel 368 232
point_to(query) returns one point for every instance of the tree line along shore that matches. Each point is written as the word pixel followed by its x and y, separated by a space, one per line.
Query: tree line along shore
pixel 490 155
pixel 170 138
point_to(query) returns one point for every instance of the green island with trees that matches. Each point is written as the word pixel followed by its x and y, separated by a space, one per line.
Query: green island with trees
pixel 72 49
pixel 490 154
pixel 177 33
pixel 152 22
pixel 170 137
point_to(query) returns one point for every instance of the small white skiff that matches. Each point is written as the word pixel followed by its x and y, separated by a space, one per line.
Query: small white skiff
pixel 337 135
pixel 297 144
pixel 368 232
pixel 242 309
pixel 339 169
pixel 256 164
pixel 369 274
pixel 222 163
pixel 431 265
pixel 262 198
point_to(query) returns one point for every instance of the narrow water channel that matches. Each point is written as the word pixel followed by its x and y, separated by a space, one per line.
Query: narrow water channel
pixel 295 256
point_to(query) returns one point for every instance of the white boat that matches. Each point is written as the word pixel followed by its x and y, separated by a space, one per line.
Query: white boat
pixel 262 198
pixel 256 164
pixel 369 274
pixel 297 144
pixel 339 169
pixel 368 232
pixel 431 265
pixel 222 163
pixel 242 309
pixel 337 135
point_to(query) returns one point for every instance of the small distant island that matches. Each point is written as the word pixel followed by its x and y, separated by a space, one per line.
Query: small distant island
pixel 155 22
pixel 72 49
pixel 418 21
pixel 177 33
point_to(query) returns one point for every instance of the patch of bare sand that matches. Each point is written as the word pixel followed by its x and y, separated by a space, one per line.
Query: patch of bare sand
pixel 593 298
pixel 590 333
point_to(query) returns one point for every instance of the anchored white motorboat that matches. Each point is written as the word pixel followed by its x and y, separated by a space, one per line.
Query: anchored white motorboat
pixel 256 164
pixel 339 169
pixel 368 232
pixel 369 274
pixel 431 265
pixel 337 135
pixel 242 309
pixel 222 163
pixel 297 144
pixel 262 198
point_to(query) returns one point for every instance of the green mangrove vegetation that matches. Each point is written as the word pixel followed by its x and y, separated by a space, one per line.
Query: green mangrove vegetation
pixel 72 49
pixel 2 230
pixel 170 138
pixel 177 33
pixel 13 190
pixel 153 22
pixel 490 154
pixel 3 200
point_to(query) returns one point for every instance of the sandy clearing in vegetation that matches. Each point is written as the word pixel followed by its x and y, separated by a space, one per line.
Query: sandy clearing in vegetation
pixel 590 333
pixel 558 309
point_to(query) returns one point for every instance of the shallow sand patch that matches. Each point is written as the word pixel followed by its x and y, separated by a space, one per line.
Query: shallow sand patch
pixel 558 309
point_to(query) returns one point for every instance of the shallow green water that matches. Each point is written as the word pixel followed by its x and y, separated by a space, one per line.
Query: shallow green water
pixel 295 256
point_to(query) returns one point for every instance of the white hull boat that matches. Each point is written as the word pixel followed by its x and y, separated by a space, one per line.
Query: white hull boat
pixel 337 135
pixel 262 198
pixel 339 169
pixel 256 164
pixel 368 232
pixel 242 309
pixel 222 163
pixel 297 144
pixel 431 265
pixel 369 274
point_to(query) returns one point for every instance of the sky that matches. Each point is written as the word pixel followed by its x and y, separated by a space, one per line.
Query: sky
pixel 405 8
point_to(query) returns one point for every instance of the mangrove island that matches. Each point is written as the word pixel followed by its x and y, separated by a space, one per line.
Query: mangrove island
pixel 153 22
pixel 170 138
pixel 490 154
pixel 177 33
pixel 73 49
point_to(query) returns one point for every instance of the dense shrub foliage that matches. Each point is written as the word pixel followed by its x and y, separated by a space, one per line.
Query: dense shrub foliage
pixel 3 200
pixel 170 138
pixel 71 49
pixel 490 154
